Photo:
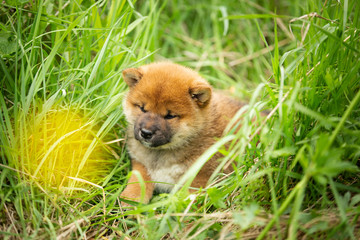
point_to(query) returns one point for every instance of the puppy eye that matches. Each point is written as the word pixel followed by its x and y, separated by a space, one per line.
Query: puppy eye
pixel 170 116
pixel 142 108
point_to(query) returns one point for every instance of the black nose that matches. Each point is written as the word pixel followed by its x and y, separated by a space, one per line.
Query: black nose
pixel 146 134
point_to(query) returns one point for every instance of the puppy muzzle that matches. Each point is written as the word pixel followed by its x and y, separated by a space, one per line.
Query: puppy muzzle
pixel 152 130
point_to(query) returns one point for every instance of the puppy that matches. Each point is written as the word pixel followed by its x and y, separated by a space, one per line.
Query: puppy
pixel 173 116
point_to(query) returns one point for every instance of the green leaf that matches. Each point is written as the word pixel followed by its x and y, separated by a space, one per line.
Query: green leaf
pixel 246 218
pixel 217 197
pixel 7 44
pixel 318 227
pixel 355 200
pixel 286 151
pixel 16 2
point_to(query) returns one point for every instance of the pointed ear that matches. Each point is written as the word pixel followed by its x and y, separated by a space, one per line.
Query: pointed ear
pixel 131 76
pixel 201 94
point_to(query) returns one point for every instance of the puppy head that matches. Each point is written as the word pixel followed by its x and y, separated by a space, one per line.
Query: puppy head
pixel 167 104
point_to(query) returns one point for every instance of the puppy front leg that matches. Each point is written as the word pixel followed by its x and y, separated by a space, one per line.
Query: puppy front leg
pixel 133 189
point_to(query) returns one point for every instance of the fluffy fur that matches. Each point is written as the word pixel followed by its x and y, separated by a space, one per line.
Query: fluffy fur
pixel 173 116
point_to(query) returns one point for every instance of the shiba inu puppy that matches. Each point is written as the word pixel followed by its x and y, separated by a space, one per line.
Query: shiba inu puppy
pixel 173 116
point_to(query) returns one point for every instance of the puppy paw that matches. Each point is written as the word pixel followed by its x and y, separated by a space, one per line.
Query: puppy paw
pixel 132 198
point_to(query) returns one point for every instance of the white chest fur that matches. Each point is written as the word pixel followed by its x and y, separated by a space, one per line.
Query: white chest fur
pixel 165 177
pixel 165 168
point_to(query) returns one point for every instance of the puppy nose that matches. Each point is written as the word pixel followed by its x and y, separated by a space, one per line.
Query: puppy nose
pixel 146 134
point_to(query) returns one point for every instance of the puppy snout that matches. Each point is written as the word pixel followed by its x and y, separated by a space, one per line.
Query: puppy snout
pixel 152 130
pixel 146 133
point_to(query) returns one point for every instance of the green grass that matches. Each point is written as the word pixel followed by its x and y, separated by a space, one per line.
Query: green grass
pixel 295 173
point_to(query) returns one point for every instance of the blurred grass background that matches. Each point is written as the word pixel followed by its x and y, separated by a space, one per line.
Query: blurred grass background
pixel 295 175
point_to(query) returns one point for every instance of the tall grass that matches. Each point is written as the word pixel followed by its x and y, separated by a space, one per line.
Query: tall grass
pixel 295 170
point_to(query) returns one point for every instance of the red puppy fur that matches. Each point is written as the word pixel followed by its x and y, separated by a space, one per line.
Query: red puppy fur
pixel 173 116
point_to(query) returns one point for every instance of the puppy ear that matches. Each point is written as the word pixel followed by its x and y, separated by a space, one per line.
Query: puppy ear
pixel 201 94
pixel 131 76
